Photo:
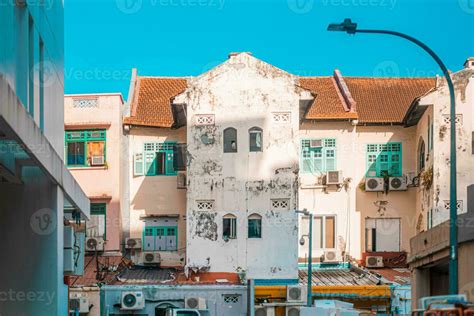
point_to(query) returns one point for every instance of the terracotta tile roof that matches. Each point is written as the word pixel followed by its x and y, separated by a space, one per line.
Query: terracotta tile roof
pixel 109 268
pixel 328 103
pixel 167 276
pixel 386 100
pixel 400 276
pixel 151 104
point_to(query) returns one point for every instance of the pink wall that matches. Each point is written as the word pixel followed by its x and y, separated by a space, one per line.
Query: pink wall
pixel 101 184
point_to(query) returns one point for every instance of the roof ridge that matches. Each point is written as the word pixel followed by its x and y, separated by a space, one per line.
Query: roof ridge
pixel 361 77
pixel 164 77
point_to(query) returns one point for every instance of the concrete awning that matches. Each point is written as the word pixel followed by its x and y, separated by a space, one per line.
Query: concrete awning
pixel 17 126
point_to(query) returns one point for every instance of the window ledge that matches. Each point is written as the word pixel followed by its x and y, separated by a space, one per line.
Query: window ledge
pixel 87 168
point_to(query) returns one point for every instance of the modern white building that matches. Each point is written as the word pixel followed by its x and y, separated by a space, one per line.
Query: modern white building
pixel 35 186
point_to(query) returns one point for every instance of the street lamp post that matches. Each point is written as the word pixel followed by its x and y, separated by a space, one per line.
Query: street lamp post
pixel 351 28
pixel 309 298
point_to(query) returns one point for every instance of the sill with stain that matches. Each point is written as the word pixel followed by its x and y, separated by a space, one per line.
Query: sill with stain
pixel 104 167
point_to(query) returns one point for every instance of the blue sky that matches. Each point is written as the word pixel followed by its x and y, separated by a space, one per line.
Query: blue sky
pixel 104 39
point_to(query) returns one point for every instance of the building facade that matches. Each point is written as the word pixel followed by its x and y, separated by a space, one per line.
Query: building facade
pixel 92 146
pixel 35 186
pixel 429 249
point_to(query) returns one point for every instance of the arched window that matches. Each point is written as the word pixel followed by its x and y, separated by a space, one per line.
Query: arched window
pixel 255 226
pixel 255 139
pixel 421 155
pixel 229 224
pixel 230 140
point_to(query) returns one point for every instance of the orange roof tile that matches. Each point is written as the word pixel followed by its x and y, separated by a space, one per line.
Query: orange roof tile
pixel 151 105
pixel 386 100
pixel 328 102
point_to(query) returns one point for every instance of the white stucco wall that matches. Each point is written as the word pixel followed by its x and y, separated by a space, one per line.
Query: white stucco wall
pixel 242 93
pixel 438 109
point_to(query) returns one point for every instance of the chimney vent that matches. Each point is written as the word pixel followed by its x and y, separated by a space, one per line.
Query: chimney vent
pixel 469 63
pixel 233 54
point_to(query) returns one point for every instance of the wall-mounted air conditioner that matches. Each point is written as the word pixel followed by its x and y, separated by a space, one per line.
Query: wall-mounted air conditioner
pixel 374 184
pixel 94 244
pixel 264 311
pixel 132 301
pixel 334 177
pixel 97 160
pixel 332 256
pixel 181 180
pixel 397 183
pixel 193 302
pixel 133 243
pixel 78 302
pixel 151 257
pixel 296 294
pixel 374 262
pixel 292 311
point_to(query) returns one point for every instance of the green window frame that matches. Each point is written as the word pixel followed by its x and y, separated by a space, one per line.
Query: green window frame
pixel 255 226
pixel 384 160
pixel 318 159
pixel 79 141
pixel 157 159
pixel 160 231
pixel 99 209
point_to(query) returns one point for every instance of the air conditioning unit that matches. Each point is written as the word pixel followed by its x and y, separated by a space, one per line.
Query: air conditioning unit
pixel 332 256
pixel 374 184
pixel 193 302
pixel 151 257
pixel 374 262
pixel 334 177
pixel 132 301
pixel 296 294
pixel 181 180
pixel 316 143
pixel 397 183
pixel 97 160
pixel 78 302
pixel 413 179
pixel 133 243
pixel 292 311
pixel 94 244
pixel 264 311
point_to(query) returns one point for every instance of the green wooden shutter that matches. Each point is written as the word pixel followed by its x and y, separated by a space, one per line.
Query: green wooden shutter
pixel 150 163
pixel 306 159
pixel 169 162
pixel 138 164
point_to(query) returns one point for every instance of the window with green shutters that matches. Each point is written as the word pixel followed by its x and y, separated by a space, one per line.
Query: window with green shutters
pixel 96 226
pixel 158 159
pixel 318 155
pixel 85 148
pixel 384 159
pixel 163 238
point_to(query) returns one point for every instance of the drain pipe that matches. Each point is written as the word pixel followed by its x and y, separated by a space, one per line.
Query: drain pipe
pixel 251 296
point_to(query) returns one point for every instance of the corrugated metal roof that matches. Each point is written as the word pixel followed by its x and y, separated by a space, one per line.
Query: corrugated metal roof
pixel 334 277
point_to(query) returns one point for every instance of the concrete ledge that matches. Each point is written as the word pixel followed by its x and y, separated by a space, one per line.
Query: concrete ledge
pixel 18 125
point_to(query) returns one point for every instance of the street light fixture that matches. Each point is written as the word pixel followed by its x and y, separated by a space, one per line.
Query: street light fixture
pixel 351 28
pixel 305 212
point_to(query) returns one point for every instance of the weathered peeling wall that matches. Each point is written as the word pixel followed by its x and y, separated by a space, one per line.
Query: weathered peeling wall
pixel 439 108
pixel 242 93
